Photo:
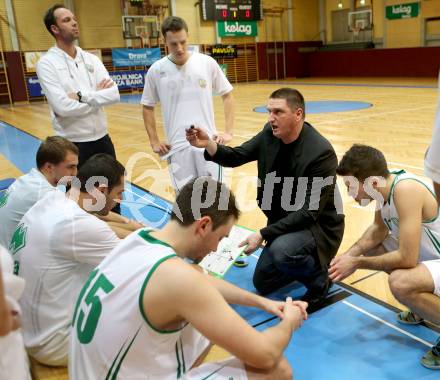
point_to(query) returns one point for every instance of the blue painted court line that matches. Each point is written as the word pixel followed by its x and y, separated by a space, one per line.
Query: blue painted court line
pixel 353 338
pixel 5 183
pixel 339 342
pixel 145 207
pixel 242 277
pixel 388 317
pixel 346 85
pixel 131 99
pixel 314 107
pixel 18 147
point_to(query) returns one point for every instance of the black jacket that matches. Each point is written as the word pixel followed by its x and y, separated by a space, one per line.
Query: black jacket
pixel 312 156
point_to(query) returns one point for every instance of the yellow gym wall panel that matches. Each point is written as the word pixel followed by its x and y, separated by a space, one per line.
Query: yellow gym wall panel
pixel 200 32
pixel 272 27
pixel 4 29
pixel 330 6
pixel 378 17
pixel 430 8
pixel 100 23
pixel 402 33
pixel 305 20
pixel 32 34
pixel 433 28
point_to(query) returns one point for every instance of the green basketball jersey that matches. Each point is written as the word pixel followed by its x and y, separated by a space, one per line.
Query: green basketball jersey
pixel 112 336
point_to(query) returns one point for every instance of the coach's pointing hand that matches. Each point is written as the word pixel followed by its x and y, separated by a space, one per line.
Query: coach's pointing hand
pixel 198 138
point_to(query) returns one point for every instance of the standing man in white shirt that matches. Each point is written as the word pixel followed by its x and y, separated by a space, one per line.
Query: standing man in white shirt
pixel 184 83
pixel 77 87
pixel 57 158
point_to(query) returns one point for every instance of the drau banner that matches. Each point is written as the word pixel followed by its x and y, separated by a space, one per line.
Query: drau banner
pixel 135 57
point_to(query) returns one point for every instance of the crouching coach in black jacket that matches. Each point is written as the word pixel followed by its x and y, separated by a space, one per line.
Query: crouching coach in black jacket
pixel 297 193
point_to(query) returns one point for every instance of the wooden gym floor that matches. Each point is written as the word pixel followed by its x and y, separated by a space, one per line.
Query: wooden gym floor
pixel 399 123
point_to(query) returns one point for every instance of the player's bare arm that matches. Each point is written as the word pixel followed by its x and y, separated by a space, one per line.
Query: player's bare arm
pixel 371 238
pixel 409 205
pixel 191 297
pixel 158 147
pixel 229 111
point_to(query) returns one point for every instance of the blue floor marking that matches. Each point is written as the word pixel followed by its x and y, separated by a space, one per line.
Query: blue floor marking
pixel 315 107
pixel 131 99
pixel 312 107
pixel 337 342
pixel 145 207
pixel 5 183
pixel 385 314
pixel 242 277
pixel 18 147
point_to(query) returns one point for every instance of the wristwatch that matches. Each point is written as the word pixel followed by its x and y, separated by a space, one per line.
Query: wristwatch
pixel 79 96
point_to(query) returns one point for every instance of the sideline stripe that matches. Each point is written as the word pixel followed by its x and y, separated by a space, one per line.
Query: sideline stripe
pixel 388 324
pixel 338 295
pixel 364 278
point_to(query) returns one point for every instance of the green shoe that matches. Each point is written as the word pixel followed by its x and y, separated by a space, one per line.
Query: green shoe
pixel 431 359
pixel 407 317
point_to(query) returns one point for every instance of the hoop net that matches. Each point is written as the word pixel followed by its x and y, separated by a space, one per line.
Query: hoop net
pixel 356 31
pixel 144 39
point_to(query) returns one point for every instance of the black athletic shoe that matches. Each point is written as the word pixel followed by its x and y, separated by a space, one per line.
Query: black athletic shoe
pixel 316 297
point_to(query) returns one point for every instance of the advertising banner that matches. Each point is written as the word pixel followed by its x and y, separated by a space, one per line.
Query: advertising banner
pixel 135 57
pixel 224 51
pixel 123 79
pixel 237 28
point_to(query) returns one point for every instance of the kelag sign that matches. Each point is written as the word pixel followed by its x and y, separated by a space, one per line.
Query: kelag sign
pixel 123 79
pixel 135 57
pixel 237 28
pixel 399 11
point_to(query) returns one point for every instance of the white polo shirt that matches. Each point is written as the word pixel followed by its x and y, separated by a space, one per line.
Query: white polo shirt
pixel 18 199
pixel 185 94
pixel 55 247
